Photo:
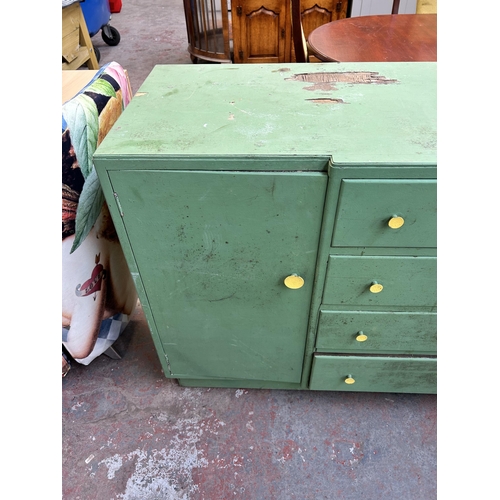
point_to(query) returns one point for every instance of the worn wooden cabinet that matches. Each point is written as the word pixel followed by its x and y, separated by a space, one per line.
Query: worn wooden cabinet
pixel 280 222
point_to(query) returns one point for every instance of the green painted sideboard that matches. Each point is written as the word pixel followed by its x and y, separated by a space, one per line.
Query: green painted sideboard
pixel 280 222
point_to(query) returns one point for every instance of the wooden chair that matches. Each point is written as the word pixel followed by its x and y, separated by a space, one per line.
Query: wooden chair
pixel 299 40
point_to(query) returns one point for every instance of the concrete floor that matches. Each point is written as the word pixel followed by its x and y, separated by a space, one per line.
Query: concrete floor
pixel 151 32
pixel 129 433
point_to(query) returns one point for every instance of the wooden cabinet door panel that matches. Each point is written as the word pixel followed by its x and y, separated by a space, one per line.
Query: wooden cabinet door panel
pixel 261 31
pixel 212 250
pixel 315 13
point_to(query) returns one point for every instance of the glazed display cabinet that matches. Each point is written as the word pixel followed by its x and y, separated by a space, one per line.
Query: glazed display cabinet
pixel 280 222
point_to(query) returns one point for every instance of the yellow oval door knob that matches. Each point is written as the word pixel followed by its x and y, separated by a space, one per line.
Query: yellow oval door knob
pixel 294 281
pixel 376 287
pixel 361 337
pixel 395 222
pixel 349 380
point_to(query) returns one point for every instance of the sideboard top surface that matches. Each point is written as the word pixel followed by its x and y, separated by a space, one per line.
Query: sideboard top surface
pixel 356 113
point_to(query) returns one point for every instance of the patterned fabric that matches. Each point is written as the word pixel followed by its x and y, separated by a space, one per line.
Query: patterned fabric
pixel 66 364
pixel 96 303
pixel 110 330
pixel 87 118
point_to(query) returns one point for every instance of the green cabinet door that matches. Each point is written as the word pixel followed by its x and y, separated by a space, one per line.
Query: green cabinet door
pixel 213 250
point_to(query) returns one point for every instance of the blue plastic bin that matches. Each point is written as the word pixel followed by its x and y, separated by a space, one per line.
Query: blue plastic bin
pixel 97 16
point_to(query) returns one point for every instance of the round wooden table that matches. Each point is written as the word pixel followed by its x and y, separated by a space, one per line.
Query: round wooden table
pixel 386 38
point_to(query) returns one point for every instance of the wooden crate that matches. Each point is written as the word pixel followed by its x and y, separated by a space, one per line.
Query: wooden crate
pixel 77 48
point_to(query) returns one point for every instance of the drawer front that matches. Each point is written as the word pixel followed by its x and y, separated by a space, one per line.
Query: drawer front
pixel 373 332
pixel 366 206
pixel 406 281
pixel 374 374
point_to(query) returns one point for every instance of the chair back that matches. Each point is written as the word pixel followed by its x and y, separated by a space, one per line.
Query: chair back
pixel 299 40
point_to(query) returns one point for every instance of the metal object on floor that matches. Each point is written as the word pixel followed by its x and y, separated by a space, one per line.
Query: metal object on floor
pixel 112 353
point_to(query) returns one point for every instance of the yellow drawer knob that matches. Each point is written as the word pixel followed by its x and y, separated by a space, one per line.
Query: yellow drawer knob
pixel 349 380
pixel 294 281
pixel 376 287
pixel 395 222
pixel 361 337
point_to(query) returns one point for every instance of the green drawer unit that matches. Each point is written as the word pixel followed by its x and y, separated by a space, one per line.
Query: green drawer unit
pixel 374 374
pixel 228 184
pixel 386 213
pixel 374 332
pixel 381 281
